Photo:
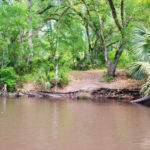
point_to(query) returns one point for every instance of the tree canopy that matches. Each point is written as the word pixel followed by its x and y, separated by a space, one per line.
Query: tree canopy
pixel 40 36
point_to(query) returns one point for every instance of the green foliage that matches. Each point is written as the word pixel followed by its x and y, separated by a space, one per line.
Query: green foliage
pixel 47 85
pixel 66 31
pixel 9 77
pixel 86 63
pixel 141 48
pixel 48 79
pixel 83 63
pixel 126 58
pixel 107 78
pixel 45 71
pixel 83 97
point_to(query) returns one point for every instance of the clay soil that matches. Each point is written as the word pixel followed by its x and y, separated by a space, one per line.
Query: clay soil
pixel 91 80
pixel 95 79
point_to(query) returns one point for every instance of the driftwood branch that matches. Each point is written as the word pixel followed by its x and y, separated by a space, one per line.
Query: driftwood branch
pixel 142 100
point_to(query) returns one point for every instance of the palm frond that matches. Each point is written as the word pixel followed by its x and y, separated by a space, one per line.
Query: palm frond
pixel 141 49
pixel 140 43
pixel 141 30
pixel 146 87
pixel 136 70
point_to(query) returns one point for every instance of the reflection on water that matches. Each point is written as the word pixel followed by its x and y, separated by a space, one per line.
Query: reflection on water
pixel 3 105
pixel 41 124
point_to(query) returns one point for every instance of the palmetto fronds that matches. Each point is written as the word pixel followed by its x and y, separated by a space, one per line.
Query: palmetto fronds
pixel 138 69
pixel 146 87
pixel 141 49
pixel 141 43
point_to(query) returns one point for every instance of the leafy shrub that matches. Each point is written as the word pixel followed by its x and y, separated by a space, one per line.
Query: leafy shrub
pixel 47 85
pixel 46 75
pixel 63 78
pixel 21 68
pixel 43 71
pixel 82 63
pixel 107 77
pixel 97 63
pixel 9 77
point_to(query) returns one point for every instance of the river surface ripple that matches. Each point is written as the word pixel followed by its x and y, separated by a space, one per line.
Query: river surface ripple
pixel 44 124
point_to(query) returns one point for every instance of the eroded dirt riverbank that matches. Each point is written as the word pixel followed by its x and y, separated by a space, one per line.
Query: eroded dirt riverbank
pixel 91 80
pixel 92 85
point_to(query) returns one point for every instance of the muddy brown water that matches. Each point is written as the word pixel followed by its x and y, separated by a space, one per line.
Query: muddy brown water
pixel 43 124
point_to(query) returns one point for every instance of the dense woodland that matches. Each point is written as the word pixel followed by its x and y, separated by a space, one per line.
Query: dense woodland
pixel 42 40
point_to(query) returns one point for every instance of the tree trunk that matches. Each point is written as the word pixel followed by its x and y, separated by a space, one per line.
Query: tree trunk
pixel 89 41
pixel 122 14
pixel 30 33
pixel 111 69
pixel 103 42
pixel 2 61
pixel 4 91
pixel 114 14
pixel 21 43
pixel 112 66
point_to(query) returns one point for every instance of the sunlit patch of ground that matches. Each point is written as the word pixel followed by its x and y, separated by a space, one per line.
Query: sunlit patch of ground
pixel 93 79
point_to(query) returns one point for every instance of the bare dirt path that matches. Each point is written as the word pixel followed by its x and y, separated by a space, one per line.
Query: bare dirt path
pixel 91 80
pixel 91 84
pixel 94 79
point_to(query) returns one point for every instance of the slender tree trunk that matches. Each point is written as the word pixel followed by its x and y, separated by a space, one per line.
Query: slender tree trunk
pixel 103 41
pixel 30 33
pixel 73 56
pixel 88 38
pixel 84 46
pixel 2 62
pixel 111 66
pixel 3 57
pixel 122 14
pixel 94 49
pixel 114 14
pixel 21 42
pixel 111 69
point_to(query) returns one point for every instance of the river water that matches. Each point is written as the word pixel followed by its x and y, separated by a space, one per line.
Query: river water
pixel 43 124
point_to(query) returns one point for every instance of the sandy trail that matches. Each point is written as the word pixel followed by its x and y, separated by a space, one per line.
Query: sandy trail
pixel 93 79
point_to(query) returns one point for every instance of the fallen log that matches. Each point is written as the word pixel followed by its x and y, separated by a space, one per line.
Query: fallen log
pixel 101 93
pixel 71 95
pixel 52 95
pixel 144 100
pixel 63 93
pixel 29 94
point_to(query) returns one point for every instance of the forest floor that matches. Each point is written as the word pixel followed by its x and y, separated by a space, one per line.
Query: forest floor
pixel 91 80
pixel 92 84
pixel 95 79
